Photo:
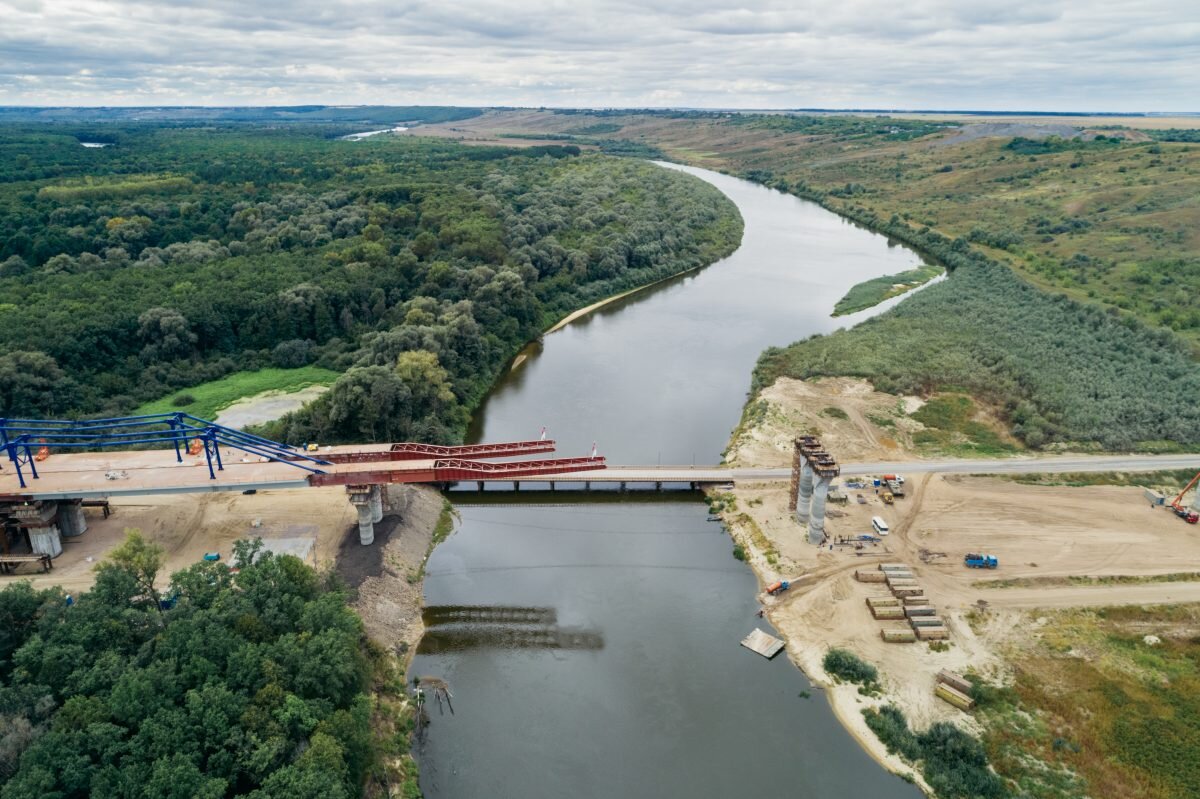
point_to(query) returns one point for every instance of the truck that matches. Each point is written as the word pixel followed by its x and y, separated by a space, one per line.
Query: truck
pixel 1187 514
pixel 778 587
pixel 976 561
pixel 896 487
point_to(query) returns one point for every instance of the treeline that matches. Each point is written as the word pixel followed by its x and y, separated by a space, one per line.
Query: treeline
pixel 1059 371
pixel 248 683
pixel 279 247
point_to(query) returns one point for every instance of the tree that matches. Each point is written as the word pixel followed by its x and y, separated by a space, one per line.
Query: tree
pixel 370 403
pixel 141 561
pixel 32 384
pixel 165 334
pixel 428 383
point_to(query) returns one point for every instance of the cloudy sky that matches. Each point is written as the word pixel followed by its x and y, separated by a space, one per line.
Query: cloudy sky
pixel 1122 55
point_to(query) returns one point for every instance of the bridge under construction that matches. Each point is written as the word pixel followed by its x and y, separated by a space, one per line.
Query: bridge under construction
pixel 50 468
pixel 53 466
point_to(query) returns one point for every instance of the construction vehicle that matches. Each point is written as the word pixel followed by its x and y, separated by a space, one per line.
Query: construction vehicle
pixel 1187 514
pixel 887 497
pixel 896 487
pixel 778 587
pixel 975 561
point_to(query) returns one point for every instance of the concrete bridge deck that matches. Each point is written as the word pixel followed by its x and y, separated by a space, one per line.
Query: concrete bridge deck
pixel 110 474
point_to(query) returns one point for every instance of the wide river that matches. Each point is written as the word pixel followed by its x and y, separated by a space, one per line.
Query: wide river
pixel 615 669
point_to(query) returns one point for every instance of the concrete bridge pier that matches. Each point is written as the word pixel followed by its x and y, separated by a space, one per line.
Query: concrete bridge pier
pixel 71 521
pixel 804 494
pixel 376 499
pixel 816 522
pixel 366 527
pixel 365 499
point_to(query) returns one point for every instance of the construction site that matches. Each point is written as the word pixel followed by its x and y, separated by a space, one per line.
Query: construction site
pixel 934 573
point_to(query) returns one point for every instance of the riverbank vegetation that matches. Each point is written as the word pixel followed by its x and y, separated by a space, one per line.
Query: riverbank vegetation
pixel 870 293
pixel 953 763
pixel 232 682
pixel 1058 370
pixel 1104 703
pixel 415 267
pixel 1072 304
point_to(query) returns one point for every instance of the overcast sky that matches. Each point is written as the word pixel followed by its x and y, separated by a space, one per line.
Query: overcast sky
pixel 980 54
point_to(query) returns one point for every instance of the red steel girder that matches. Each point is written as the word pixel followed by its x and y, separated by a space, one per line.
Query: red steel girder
pixel 451 470
pixel 410 451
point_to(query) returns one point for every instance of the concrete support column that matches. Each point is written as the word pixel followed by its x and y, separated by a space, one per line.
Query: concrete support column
pixel 376 503
pixel 1196 501
pixel 804 493
pixel 366 523
pixel 816 522
pixel 71 521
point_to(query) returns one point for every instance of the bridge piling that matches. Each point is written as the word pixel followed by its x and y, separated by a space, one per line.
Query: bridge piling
pixel 816 522
pixel 376 499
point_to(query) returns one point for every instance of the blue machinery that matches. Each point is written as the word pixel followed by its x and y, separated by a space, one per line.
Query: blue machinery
pixel 21 437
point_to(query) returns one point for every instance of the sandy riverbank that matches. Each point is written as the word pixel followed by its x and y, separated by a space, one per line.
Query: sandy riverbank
pixel 1036 531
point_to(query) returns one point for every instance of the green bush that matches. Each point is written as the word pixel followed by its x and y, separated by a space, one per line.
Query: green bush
pixel 952 762
pixel 183 400
pixel 849 667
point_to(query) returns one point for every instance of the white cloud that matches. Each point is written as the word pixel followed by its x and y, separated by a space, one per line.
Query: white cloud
pixel 1002 54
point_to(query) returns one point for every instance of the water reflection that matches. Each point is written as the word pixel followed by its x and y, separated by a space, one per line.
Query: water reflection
pixel 455 628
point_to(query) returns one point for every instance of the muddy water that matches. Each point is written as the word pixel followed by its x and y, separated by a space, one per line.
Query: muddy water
pixel 592 649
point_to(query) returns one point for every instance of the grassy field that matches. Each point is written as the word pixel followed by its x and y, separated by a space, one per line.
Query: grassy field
pixel 1105 703
pixel 870 293
pixel 207 399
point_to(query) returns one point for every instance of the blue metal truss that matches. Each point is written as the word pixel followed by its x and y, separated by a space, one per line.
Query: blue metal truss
pixel 20 437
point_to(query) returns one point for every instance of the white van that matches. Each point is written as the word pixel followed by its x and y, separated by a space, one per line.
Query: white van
pixel 879 526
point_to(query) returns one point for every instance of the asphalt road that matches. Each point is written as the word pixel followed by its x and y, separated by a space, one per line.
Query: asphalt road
pixel 1067 463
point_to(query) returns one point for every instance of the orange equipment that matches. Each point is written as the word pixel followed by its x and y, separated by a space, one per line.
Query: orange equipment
pixel 43 451
pixel 1187 514
pixel 195 446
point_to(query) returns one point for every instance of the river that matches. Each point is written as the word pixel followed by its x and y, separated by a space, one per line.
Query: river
pixel 618 671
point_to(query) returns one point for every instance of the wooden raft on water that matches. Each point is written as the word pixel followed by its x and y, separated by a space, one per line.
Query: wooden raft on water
pixel 763 643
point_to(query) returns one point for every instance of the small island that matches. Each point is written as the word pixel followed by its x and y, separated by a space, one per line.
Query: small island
pixel 871 292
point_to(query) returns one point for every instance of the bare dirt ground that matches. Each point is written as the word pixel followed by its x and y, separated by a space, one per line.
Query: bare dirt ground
pixel 189 525
pixel 267 406
pixel 796 407
pixel 1035 531
pixel 386 576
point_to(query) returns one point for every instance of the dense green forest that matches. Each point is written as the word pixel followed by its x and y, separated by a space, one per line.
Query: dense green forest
pixel 1058 369
pixel 180 254
pixel 247 683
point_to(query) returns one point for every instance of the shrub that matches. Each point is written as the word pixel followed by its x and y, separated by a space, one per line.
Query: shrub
pixel 739 551
pixel 953 762
pixel 183 400
pixel 849 667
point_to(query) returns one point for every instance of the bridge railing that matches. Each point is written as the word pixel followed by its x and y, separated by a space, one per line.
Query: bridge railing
pixel 20 437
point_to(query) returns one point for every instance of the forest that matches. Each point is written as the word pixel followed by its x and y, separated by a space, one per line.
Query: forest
pixel 416 267
pixel 1059 371
pixel 245 681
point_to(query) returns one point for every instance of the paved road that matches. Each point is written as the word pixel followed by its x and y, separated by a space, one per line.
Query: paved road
pixel 1067 463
